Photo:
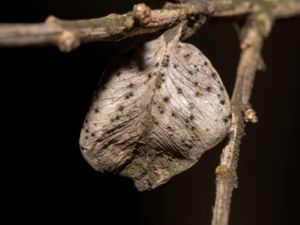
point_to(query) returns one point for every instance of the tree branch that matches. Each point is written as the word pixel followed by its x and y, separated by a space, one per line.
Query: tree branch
pixel 255 30
pixel 68 35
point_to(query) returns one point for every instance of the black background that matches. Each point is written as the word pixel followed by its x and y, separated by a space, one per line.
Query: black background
pixel 46 93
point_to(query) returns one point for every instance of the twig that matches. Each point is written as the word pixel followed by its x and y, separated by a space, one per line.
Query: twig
pixel 255 30
pixel 68 35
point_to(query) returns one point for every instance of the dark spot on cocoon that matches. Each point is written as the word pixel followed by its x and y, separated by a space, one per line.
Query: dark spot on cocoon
pixel 121 108
pixel 222 101
pixel 161 112
pixel 225 120
pixel 197 94
pixel 92 134
pixel 95 124
pixel 189 146
pixel 192 117
pixel 87 130
pixel 86 137
pixel 96 110
pixel 193 128
pixel 173 114
pixel 166 99
pixel 169 128
pixel 179 90
pixel 205 63
pixel 207 129
pixel 221 88
pixel 196 83
pixel 213 74
pixel 190 72
pixel 149 75
pixel 112 119
pixel 130 85
pixel 208 89
pixel 165 62
pixel 175 66
pixel 187 56
pixel 156 64
pixel 117 117
pixel 117 74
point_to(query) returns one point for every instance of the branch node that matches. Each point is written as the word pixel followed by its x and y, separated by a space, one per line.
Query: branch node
pixel 128 23
pixel 263 17
pixel 250 115
pixel 67 41
pixel 226 175
pixel 248 39
pixel 142 13
pixel 221 170
pixel 51 20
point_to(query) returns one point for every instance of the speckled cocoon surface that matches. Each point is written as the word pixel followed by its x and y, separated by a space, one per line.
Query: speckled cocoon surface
pixel 157 109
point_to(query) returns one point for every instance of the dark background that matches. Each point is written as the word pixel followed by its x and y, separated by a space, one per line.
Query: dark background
pixel 46 93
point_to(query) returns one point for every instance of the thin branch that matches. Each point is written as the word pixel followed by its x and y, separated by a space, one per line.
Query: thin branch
pixel 255 30
pixel 68 35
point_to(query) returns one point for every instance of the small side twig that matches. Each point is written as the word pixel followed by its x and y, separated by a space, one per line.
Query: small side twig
pixel 253 33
